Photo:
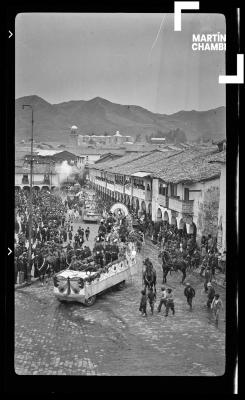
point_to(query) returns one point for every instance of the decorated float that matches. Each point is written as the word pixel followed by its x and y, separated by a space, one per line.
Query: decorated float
pixel 91 216
pixel 83 281
pixel 84 286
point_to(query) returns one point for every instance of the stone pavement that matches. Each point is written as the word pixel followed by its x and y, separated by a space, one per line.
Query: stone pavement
pixel 112 338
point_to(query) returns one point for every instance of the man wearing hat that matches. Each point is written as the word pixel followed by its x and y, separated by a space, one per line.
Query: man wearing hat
pixel 163 299
pixel 207 276
pixel 211 294
pixel 114 250
pixel 189 293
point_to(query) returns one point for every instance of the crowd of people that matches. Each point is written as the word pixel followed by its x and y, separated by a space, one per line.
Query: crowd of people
pixel 54 244
pixel 52 235
pixel 167 299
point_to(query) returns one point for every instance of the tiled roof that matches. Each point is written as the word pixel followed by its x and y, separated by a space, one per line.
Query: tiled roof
pixel 144 163
pixel 194 169
pixel 37 169
pixel 218 157
pixel 111 165
pixel 193 164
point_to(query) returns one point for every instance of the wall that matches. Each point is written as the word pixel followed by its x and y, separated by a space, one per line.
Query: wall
pixel 92 158
pixel 206 209
pixel 222 211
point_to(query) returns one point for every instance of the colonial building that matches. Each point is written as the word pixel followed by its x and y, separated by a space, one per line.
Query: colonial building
pixel 178 186
pixel 221 238
pixel 116 139
pixel 44 177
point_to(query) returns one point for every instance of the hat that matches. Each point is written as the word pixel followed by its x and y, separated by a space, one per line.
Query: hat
pixel 209 284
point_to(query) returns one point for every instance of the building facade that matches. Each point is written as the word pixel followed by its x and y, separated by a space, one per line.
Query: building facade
pixel 189 199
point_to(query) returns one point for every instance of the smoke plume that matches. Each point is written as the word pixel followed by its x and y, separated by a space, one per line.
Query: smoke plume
pixel 64 170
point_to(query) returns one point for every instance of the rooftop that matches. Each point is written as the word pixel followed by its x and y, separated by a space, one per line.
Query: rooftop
pixel 187 165
pixel 111 165
pixel 37 169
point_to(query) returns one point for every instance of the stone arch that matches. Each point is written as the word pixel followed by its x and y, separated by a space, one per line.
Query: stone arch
pixel 166 216
pixel 137 205
pixel 173 220
pixel 159 214
pixel 45 187
pixel 17 188
pixel 181 223
pixel 191 228
pixel 143 206
pixel 36 188
pixel 149 208
pixel 26 188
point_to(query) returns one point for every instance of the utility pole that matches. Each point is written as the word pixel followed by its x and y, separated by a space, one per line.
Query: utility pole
pixel 30 200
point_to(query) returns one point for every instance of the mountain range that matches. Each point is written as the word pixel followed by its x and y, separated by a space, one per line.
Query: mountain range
pixel 98 116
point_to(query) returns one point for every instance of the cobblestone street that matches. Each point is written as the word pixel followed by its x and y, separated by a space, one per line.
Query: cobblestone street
pixel 112 338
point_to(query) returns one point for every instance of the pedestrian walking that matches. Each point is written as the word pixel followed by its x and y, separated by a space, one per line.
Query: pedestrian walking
pixel 208 276
pixel 87 233
pixel 151 298
pixel 169 302
pixel 143 303
pixel 163 299
pixel 216 306
pixel 189 293
pixel 211 294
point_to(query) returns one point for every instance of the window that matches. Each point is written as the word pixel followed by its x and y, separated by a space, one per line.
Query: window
pixel 25 179
pixel 186 194
pixel 163 190
pixel 173 190
pixel 46 179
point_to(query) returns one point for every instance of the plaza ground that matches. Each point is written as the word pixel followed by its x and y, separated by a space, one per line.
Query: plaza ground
pixel 111 337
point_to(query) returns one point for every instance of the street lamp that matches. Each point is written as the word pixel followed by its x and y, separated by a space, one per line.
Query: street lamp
pixel 30 200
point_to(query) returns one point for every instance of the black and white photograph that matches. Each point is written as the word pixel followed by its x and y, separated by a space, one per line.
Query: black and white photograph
pixel 120 194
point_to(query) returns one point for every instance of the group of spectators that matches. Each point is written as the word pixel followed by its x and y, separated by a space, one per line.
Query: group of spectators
pixel 51 232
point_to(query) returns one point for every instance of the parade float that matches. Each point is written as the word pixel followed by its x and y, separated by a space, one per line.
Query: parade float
pixel 84 286
pixel 85 282
pixel 91 216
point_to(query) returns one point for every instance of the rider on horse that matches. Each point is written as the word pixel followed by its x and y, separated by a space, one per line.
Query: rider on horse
pixel 149 275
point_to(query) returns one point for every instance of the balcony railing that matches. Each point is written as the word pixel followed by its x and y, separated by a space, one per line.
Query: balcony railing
pixel 163 200
pixel 148 195
pixel 128 189
pixel 100 182
pixel 110 187
pixel 139 193
pixel 118 188
pixel 182 206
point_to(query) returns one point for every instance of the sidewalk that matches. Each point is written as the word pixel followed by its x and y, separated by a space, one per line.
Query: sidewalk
pixel 24 284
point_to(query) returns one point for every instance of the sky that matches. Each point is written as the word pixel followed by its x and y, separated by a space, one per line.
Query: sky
pixel 121 57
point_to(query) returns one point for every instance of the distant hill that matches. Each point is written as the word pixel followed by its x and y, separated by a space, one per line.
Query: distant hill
pixel 97 116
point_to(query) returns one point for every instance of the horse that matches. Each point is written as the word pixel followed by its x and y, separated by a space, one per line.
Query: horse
pixel 46 268
pixel 149 276
pixel 169 265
